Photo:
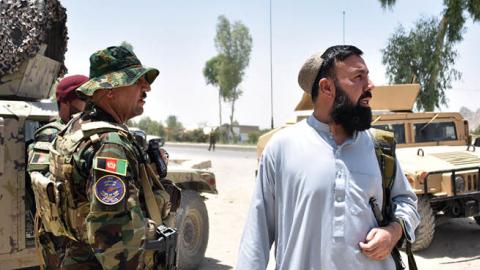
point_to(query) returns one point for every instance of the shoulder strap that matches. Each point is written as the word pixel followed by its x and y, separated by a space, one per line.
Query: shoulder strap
pixel 57 125
pixel 90 130
pixel 385 152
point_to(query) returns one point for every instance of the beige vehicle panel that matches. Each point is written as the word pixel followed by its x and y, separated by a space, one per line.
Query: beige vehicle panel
pixel 12 193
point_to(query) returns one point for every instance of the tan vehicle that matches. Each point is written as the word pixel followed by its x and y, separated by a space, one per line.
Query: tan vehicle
pixel 434 150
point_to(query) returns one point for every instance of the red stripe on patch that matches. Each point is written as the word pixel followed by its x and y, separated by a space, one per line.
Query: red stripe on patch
pixel 111 165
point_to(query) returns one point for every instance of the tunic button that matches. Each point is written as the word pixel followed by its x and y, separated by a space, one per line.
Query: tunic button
pixel 338 198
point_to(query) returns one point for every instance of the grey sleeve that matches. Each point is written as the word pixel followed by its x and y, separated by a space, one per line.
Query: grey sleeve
pixel 404 204
pixel 259 231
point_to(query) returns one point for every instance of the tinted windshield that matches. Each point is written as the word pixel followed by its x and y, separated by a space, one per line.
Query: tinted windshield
pixel 397 129
pixel 433 132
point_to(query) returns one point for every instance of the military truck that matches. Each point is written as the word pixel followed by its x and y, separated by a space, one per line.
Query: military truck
pixel 34 41
pixel 434 150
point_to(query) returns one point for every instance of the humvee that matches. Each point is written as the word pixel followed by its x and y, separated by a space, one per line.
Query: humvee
pixel 434 150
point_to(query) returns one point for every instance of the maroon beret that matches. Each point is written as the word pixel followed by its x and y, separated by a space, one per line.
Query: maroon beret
pixel 66 87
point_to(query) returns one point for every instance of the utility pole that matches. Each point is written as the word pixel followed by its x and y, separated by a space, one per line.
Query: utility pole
pixel 344 27
pixel 271 68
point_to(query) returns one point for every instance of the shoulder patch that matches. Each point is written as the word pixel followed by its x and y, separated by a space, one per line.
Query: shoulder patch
pixel 40 158
pixel 109 189
pixel 111 165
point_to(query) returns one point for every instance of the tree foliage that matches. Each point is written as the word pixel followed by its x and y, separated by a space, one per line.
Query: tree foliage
pixel 174 128
pixel 210 72
pixel 449 30
pixel 150 126
pixel 408 58
pixel 226 70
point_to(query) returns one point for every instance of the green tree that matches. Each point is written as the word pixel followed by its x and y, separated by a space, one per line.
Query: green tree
pixel 407 58
pixel 210 72
pixel 151 127
pixel 234 44
pixel 449 31
pixel 174 128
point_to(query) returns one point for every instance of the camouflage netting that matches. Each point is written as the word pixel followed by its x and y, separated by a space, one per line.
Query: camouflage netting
pixel 25 25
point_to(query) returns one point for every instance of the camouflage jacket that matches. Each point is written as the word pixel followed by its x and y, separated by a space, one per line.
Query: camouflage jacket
pixel 106 208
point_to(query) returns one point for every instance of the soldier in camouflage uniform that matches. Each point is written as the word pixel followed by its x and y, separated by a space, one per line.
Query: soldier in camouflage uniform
pixel 68 104
pixel 107 199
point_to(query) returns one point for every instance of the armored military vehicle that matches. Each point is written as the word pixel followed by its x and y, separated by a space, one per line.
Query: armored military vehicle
pixel 434 150
pixel 34 41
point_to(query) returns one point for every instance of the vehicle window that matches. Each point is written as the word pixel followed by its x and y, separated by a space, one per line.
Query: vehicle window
pixel 30 128
pixel 444 131
pixel 397 129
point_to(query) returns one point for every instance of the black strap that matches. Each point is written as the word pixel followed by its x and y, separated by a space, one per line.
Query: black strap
pixel 412 264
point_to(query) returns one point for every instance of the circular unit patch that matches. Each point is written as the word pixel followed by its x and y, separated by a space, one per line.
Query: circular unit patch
pixel 109 189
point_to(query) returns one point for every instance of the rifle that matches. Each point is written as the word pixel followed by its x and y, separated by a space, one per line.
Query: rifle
pixel 165 246
pixel 153 152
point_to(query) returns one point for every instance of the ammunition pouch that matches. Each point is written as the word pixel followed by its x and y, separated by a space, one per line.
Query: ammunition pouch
pixel 73 213
pixel 163 201
pixel 47 199
pixel 165 248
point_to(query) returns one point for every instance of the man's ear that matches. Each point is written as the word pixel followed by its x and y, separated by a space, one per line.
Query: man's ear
pixel 326 87
pixel 110 94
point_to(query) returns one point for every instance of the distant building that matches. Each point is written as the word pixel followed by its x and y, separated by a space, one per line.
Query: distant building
pixel 242 131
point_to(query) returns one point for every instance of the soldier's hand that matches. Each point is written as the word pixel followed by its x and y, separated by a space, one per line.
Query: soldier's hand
pixel 380 242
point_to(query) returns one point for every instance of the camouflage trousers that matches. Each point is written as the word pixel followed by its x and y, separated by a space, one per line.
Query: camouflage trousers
pixel 79 256
pixel 52 249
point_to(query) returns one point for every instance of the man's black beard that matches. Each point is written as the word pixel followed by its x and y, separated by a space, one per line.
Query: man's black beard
pixel 352 117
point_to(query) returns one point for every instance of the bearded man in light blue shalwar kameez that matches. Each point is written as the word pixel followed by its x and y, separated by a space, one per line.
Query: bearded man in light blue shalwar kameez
pixel 316 178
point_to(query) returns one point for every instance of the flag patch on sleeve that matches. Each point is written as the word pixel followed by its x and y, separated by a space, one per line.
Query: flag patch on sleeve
pixel 40 158
pixel 111 165
pixel 109 189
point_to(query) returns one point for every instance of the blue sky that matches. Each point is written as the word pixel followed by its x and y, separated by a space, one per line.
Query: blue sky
pixel 177 38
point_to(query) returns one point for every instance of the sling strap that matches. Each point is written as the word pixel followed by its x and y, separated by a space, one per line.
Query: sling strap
pixel 385 152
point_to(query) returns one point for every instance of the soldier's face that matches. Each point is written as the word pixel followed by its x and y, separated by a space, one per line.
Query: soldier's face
pixel 129 100
pixel 77 105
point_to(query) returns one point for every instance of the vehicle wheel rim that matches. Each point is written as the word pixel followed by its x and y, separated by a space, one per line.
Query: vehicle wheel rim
pixel 191 231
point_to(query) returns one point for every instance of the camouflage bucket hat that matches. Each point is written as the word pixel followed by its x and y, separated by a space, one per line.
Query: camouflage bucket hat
pixel 114 67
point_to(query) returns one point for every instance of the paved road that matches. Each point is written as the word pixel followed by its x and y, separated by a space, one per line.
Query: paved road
pixel 456 244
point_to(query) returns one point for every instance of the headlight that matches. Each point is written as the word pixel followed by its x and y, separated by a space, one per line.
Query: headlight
pixel 459 184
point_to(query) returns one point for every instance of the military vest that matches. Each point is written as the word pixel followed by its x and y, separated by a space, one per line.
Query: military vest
pixel 60 212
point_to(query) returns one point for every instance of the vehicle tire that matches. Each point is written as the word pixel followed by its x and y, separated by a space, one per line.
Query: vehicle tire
pixel 426 229
pixel 192 224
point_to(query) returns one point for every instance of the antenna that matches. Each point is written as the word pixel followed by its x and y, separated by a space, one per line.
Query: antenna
pixel 271 67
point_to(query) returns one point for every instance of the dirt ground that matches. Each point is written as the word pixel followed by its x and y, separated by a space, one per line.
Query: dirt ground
pixel 456 244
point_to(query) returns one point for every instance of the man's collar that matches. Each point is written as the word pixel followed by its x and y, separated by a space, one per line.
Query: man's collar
pixel 321 127
pixel 317 125
pixel 95 113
